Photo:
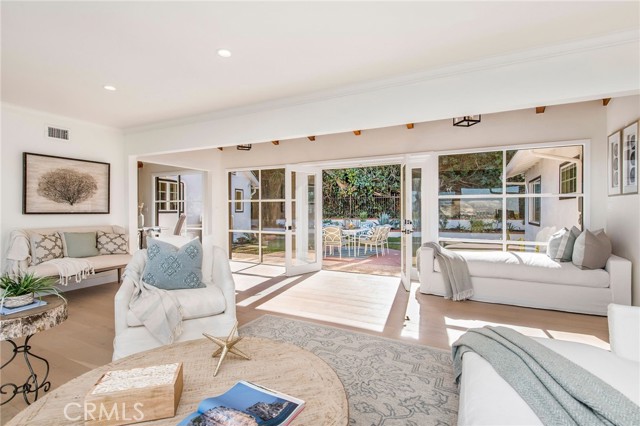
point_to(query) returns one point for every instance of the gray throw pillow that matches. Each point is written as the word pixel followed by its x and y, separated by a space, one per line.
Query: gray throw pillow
pixel 560 247
pixel 591 250
pixel 170 268
pixel 45 247
pixel 80 244
pixel 109 243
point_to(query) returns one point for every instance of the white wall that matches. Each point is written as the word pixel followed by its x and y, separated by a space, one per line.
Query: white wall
pixel 24 131
pixel 623 220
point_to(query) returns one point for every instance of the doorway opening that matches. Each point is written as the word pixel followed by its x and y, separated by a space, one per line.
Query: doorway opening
pixel 361 219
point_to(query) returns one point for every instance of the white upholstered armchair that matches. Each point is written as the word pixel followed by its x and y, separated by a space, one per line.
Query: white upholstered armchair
pixel 211 309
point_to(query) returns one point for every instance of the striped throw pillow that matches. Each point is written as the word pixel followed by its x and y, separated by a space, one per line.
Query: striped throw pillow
pixel 560 247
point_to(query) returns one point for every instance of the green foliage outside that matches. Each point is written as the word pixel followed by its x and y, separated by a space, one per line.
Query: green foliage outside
pixel 357 192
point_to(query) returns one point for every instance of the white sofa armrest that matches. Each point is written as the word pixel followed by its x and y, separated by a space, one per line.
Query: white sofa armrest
pixel 624 331
pixel 121 304
pixel 619 270
pixel 426 257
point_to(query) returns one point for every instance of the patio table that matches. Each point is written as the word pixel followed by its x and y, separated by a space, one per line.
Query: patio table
pixel 351 239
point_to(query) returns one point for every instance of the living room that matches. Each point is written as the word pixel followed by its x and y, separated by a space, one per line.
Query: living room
pixel 388 97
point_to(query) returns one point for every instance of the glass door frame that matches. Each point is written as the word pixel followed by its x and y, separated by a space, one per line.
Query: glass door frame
pixel 297 261
pixel 411 163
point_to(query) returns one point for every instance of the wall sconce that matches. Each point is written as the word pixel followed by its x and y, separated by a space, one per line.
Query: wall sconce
pixel 244 147
pixel 467 120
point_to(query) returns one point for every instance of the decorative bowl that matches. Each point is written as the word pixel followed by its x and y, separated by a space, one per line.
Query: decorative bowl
pixel 17 301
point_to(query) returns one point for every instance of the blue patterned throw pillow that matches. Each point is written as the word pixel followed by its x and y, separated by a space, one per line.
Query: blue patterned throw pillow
pixel 170 268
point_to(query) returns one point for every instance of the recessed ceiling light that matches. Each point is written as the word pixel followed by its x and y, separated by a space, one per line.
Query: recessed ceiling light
pixel 110 88
pixel 225 53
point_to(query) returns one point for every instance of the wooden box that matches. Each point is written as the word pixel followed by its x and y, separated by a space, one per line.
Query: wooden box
pixel 123 397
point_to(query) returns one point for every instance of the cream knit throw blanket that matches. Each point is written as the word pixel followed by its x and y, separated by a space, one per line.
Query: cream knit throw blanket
pixel 72 268
pixel 158 310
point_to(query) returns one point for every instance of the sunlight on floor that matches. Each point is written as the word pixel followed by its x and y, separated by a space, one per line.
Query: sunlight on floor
pixel 258 296
pixel 246 282
pixel 357 300
pixel 412 325
pixel 457 327
pixel 256 269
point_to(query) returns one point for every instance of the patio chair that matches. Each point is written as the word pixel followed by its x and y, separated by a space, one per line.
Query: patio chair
pixel 332 237
pixel 374 240
pixel 384 237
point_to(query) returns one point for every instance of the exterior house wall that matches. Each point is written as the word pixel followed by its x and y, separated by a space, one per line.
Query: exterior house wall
pixel 23 130
pixel 555 213
pixel 622 218
pixel 241 220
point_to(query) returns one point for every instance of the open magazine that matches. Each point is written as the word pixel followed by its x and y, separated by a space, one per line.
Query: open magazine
pixel 246 404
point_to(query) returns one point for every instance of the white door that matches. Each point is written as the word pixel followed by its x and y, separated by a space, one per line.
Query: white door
pixel 410 219
pixel 303 212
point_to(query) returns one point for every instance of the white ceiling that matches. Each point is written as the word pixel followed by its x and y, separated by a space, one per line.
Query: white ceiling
pixel 57 56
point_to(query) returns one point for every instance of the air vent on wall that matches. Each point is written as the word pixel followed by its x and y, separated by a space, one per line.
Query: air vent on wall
pixel 57 133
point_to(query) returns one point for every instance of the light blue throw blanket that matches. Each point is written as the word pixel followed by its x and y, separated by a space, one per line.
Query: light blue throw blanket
pixel 455 272
pixel 558 391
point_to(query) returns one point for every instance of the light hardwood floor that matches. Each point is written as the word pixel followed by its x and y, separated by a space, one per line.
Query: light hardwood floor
pixel 84 341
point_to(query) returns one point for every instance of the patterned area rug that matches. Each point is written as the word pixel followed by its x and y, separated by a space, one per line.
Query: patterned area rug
pixel 388 382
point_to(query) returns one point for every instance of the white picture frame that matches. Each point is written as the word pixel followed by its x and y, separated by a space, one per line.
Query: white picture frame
pixel 629 157
pixel 614 163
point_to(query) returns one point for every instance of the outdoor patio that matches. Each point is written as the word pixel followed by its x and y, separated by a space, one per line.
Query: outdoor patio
pixel 368 263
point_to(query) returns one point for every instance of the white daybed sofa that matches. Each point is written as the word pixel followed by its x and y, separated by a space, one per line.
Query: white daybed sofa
pixel 534 280
pixel 487 399
pixel 211 309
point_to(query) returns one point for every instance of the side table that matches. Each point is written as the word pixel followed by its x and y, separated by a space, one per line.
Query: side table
pixel 26 324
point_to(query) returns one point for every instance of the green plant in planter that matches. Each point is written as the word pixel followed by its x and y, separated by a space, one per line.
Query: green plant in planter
pixel 20 285
pixel 364 215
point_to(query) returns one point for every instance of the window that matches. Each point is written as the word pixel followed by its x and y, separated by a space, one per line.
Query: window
pixel 535 203
pixel 256 215
pixel 169 194
pixel 568 178
pixel 494 200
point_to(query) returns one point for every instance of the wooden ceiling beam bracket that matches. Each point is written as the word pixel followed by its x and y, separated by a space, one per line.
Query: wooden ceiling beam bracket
pixel 540 110
pixel 276 143
pixel 220 148
pixel 357 132
pixel 312 138
pixel 410 126
pixel 606 101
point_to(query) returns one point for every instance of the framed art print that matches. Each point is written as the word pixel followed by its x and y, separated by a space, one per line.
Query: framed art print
pixel 614 163
pixel 60 185
pixel 630 159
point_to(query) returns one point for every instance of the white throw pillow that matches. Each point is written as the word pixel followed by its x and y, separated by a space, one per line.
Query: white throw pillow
pixel 591 250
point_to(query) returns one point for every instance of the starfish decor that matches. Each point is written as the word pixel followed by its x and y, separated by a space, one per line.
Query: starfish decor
pixel 225 346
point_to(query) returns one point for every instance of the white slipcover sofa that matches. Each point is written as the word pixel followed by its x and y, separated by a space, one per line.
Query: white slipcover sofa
pixel 487 399
pixel 534 280
pixel 211 309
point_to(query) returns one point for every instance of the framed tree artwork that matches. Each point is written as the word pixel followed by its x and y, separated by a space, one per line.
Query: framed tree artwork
pixel 630 159
pixel 614 164
pixel 60 185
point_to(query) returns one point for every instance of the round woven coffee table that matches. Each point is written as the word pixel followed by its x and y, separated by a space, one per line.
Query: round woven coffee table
pixel 274 365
